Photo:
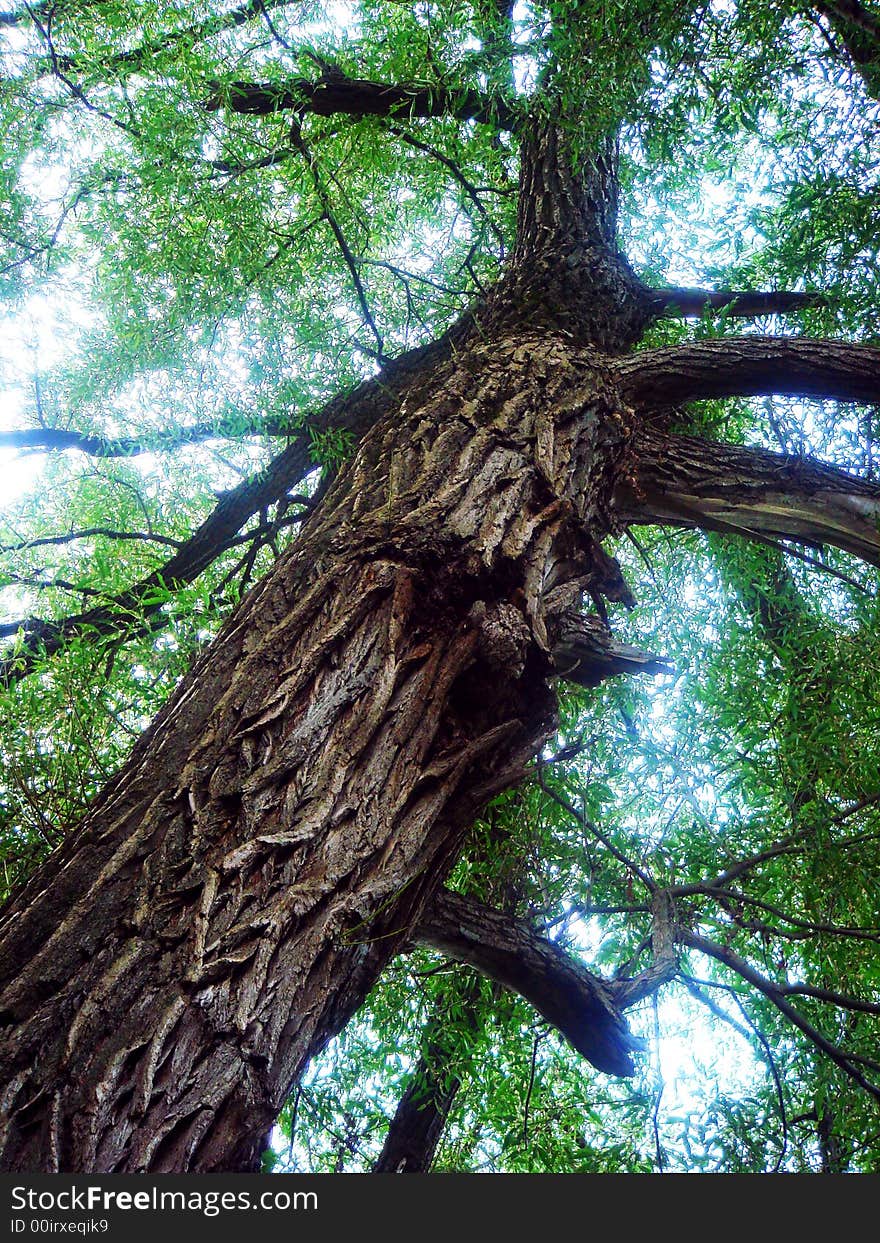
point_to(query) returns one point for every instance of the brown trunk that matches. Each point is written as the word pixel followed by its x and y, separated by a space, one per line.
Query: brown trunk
pixel 234 893
pixel 422 1111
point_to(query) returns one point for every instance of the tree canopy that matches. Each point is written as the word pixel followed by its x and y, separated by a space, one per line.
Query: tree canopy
pixel 232 234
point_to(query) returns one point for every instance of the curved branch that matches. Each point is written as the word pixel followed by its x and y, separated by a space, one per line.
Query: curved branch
pixel 579 1004
pixel 749 366
pixel 71 537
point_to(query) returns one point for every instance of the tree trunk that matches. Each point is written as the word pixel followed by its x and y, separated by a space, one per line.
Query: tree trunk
pixel 273 840
pixel 422 1111
pixel 234 893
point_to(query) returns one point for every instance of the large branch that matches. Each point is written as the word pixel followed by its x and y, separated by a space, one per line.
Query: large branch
pixel 685 481
pixel 583 650
pixel 679 300
pixel 336 92
pixel 748 366
pixel 53 439
pixel 579 1004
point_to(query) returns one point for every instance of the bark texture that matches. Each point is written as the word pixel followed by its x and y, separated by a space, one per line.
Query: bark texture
pixel 235 891
pixel 685 481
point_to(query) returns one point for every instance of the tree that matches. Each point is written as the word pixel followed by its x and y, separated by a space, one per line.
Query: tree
pixel 389 246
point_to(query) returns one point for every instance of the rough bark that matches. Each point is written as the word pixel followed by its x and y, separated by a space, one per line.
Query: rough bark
pixel 685 481
pixel 234 892
pixel 749 366
pixel 135 610
pixel 566 271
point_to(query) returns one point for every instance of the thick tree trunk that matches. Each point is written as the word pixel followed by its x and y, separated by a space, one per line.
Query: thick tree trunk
pixel 234 893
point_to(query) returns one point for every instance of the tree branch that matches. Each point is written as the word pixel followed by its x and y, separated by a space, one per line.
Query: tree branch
pixel 664 964
pixel 585 651
pixel 301 146
pixel 579 1004
pixel 71 537
pixel 851 11
pixel 748 366
pixel 449 1035
pixel 120 64
pixel 686 481
pixel 128 613
pixel 584 820
pixel 776 995
pixel 683 301
pixel 859 31
pixel 469 188
pixel 59 439
pixel 336 92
